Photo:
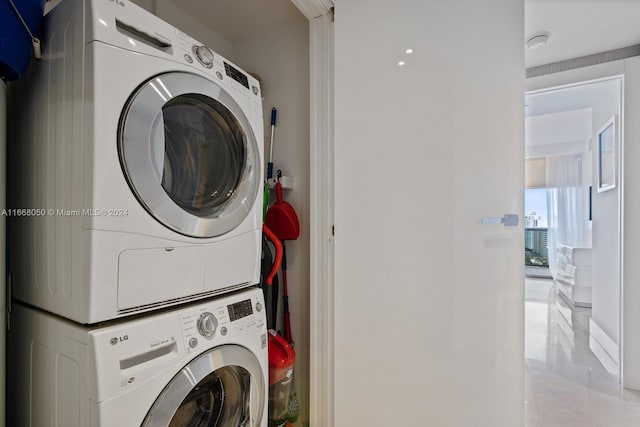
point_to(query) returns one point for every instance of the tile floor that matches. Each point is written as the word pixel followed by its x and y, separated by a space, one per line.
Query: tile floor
pixel 565 383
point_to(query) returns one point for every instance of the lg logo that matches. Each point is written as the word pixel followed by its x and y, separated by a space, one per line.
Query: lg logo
pixel 116 340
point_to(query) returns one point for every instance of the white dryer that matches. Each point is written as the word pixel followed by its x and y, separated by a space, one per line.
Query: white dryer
pixel 205 364
pixel 136 167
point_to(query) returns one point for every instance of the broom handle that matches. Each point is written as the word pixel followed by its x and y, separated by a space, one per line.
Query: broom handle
pixel 276 263
pixel 273 131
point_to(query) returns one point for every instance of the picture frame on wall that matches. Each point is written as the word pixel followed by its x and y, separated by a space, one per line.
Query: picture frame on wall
pixel 607 156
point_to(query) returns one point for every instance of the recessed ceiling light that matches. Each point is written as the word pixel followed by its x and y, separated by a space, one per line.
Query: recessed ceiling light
pixel 401 63
pixel 538 40
pixel 409 51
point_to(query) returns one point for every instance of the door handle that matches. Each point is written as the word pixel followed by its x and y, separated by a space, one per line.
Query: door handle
pixel 509 220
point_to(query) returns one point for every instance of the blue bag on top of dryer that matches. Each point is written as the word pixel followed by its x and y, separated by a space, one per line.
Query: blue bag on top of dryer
pixel 16 44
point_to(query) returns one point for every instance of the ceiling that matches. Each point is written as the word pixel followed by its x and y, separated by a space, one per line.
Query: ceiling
pixel 560 120
pixel 580 27
pixel 577 27
pixel 572 98
pixel 236 19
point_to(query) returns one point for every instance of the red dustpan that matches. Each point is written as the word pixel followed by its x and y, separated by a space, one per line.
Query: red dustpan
pixel 281 218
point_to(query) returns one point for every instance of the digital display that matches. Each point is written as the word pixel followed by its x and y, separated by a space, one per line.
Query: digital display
pixel 236 75
pixel 239 310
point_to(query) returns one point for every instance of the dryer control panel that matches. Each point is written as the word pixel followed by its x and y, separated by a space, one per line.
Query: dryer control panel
pixel 128 26
pixel 228 74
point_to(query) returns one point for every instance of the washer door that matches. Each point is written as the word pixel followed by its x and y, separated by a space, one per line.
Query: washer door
pixel 189 154
pixel 221 388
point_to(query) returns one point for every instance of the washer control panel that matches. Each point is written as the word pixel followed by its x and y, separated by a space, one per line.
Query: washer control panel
pixel 131 352
pixel 204 55
pixel 221 319
pixel 207 324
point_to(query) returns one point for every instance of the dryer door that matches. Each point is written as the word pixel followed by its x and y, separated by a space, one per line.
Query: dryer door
pixel 223 387
pixel 189 154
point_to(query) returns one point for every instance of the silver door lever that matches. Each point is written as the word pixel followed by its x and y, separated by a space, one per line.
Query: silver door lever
pixel 509 220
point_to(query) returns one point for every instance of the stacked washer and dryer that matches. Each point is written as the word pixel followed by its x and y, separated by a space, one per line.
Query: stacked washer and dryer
pixel 135 209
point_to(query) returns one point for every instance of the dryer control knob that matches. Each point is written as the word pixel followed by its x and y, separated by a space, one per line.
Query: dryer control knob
pixel 207 325
pixel 204 55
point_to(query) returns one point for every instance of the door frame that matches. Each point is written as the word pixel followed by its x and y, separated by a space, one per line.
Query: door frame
pixel 578 77
pixel 321 229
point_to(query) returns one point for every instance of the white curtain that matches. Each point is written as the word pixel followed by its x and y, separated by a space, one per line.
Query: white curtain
pixel 565 205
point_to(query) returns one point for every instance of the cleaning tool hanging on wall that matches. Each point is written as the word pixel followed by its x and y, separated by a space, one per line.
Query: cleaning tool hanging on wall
pixel 278 261
pixel 283 221
pixel 294 406
pixel 269 266
pixel 281 218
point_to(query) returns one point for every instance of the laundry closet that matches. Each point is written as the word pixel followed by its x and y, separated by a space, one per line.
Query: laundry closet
pixel 269 39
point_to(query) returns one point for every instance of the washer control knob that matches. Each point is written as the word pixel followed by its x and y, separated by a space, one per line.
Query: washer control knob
pixel 204 55
pixel 207 324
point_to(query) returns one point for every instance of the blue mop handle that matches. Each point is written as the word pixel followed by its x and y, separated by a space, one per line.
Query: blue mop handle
pixel 273 129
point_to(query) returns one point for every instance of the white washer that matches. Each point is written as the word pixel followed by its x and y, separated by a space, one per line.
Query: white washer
pixel 187 366
pixel 136 178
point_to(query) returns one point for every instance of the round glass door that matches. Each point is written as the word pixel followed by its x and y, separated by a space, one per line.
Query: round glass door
pixel 221 388
pixel 189 154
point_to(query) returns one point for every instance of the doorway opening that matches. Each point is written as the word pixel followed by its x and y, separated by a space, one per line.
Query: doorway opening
pixel 573 236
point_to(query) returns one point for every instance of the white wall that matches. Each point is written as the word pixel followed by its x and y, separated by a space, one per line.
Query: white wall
pixel 174 15
pixel 422 339
pixel 631 237
pixel 605 226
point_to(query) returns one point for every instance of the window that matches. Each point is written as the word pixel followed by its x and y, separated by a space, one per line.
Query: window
pixel 536 251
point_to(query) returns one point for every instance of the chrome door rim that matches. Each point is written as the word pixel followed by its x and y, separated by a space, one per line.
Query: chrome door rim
pixel 139 134
pixel 166 405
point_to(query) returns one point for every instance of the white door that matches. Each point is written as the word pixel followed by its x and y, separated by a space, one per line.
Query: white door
pixel 428 141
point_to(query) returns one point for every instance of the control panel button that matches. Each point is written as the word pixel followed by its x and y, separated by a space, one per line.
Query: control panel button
pixel 193 342
pixel 223 330
pixel 254 89
pixel 207 324
pixel 219 75
pixel 188 58
pixel 258 307
pixel 204 55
